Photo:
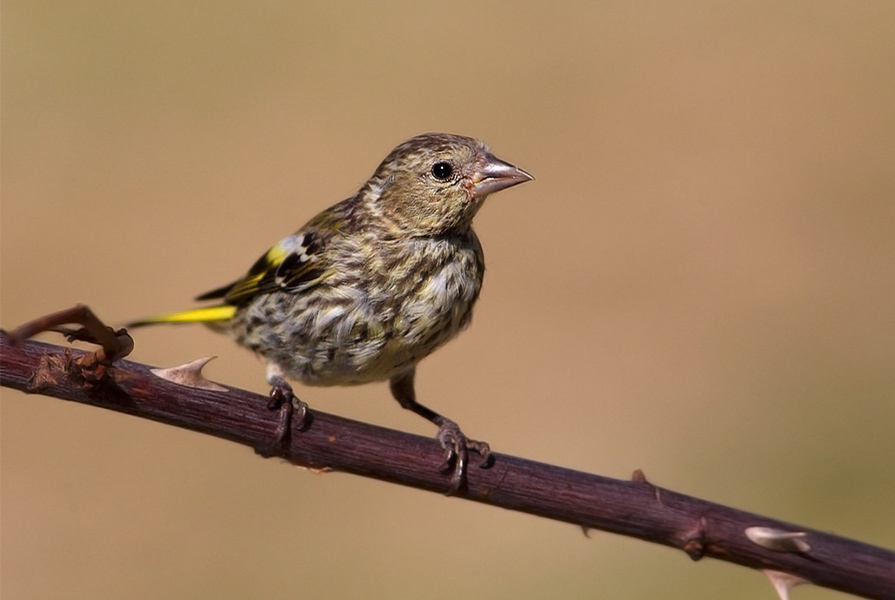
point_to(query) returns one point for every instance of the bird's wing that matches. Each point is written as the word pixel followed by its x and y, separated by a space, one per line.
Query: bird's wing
pixel 293 265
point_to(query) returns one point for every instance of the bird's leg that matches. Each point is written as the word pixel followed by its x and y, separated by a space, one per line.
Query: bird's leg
pixel 293 412
pixel 93 368
pixel 456 445
pixel 115 344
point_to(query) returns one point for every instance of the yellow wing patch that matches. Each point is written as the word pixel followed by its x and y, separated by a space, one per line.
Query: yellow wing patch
pixel 290 266
pixel 249 285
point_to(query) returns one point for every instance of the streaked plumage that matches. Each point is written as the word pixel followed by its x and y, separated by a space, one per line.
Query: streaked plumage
pixel 375 283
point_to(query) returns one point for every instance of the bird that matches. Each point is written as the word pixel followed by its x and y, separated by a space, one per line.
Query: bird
pixel 372 285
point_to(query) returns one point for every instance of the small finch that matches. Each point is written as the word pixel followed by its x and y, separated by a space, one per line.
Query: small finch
pixel 374 284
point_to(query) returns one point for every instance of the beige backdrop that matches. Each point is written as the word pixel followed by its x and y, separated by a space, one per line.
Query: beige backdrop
pixel 700 282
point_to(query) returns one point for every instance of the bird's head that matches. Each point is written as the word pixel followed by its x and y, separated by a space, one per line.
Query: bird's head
pixel 436 182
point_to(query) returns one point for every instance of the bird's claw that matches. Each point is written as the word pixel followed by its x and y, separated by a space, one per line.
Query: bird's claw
pixel 293 414
pixel 456 453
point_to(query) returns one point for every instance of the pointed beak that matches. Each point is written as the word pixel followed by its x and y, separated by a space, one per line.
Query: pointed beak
pixel 494 175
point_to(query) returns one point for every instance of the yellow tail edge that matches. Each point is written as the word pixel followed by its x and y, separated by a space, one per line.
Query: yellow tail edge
pixel 224 312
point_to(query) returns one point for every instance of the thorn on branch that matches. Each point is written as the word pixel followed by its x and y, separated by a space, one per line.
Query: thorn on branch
pixel 315 470
pixel 778 539
pixel 190 375
pixel 783 582
pixel 638 476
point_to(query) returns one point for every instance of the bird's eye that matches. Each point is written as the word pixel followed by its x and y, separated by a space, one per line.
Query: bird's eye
pixel 442 171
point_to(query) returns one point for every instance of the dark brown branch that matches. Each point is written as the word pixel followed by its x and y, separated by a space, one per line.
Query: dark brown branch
pixel 635 508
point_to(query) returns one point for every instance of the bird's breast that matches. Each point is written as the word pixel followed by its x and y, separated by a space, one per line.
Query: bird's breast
pixel 369 327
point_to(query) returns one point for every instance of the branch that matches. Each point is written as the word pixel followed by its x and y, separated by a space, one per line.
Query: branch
pixel 787 553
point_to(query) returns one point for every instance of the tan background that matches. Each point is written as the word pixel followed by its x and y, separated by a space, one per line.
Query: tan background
pixel 700 282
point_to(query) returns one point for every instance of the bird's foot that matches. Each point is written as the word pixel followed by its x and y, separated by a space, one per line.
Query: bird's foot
pixel 456 453
pixel 114 344
pixel 293 414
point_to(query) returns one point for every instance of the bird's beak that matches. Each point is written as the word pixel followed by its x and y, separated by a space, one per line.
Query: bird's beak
pixel 493 175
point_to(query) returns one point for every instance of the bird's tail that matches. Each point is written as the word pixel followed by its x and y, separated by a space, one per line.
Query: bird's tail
pixel 223 312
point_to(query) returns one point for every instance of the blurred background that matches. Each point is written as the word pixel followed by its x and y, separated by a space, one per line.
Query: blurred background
pixel 699 283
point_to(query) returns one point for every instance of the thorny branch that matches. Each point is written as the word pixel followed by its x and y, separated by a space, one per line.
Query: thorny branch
pixel 787 553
